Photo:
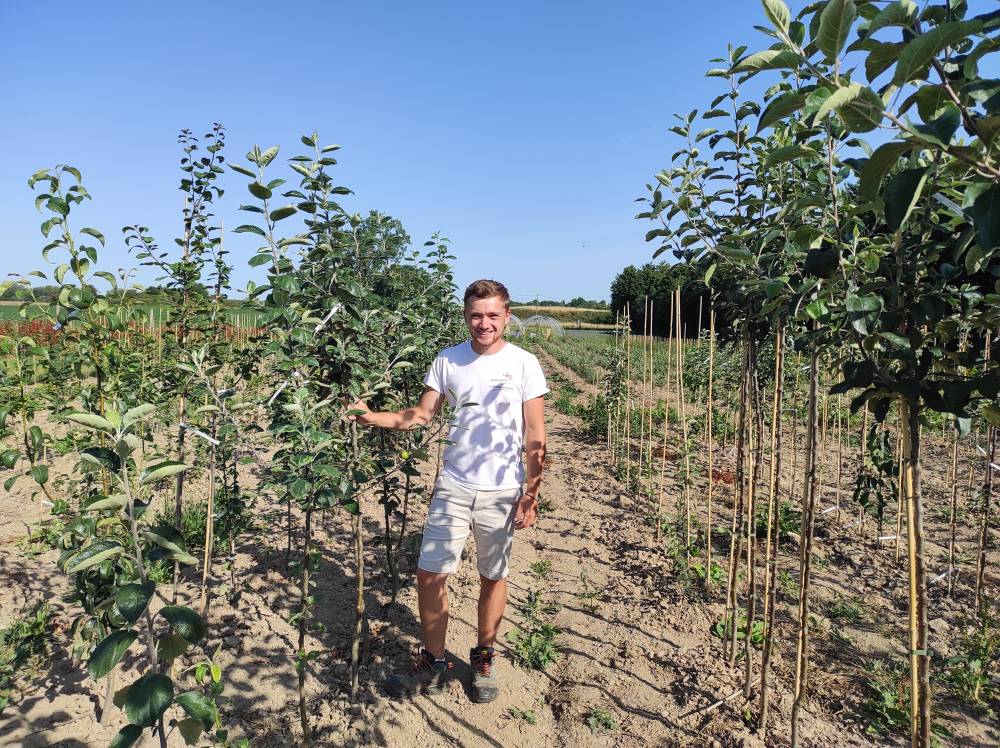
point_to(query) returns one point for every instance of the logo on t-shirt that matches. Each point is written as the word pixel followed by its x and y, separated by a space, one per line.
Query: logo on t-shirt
pixel 502 382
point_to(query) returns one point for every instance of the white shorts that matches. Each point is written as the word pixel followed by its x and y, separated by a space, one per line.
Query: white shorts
pixel 455 510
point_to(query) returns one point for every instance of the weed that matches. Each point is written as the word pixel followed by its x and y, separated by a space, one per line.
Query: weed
pixel 587 594
pixel 525 715
pixel 194 519
pixel 601 721
pixel 542 568
pixel 22 642
pixel 160 571
pixel 788 584
pixel 717 574
pixel 788 520
pixel 545 504
pixel 43 537
pixel 969 672
pixel 534 608
pixel 846 609
pixel 724 630
pixel 536 646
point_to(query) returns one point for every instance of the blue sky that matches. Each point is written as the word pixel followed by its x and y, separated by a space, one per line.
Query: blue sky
pixel 523 131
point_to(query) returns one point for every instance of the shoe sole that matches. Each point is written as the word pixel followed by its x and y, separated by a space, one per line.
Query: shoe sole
pixel 485 695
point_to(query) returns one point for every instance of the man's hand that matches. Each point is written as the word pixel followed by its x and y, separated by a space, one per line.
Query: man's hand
pixel 358 405
pixel 526 512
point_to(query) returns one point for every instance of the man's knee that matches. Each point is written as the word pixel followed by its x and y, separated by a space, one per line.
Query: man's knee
pixel 430 579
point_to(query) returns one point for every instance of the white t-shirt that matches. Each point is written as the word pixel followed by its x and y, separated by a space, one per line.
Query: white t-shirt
pixel 487 437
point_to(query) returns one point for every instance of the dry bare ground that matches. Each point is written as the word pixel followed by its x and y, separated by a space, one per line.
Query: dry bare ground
pixel 638 647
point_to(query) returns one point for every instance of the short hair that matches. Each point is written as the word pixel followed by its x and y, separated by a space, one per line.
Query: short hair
pixel 487 289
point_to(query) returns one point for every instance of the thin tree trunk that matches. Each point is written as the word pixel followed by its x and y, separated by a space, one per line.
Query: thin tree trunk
pixel 920 705
pixel 736 538
pixel 708 429
pixel 805 546
pixel 953 516
pixel 984 527
pixel 303 624
pixel 772 540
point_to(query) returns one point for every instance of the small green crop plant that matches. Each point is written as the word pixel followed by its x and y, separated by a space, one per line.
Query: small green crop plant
pixel 21 643
pixel 542 568
pixel 601 721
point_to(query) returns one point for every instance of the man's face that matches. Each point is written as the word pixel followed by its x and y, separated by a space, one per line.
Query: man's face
pixel 486 319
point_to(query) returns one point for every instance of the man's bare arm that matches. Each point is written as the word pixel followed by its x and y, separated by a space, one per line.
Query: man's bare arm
pixel 403 420
pixel 534 454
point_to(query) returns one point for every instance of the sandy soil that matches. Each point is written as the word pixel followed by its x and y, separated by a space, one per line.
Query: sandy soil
pixel 640 648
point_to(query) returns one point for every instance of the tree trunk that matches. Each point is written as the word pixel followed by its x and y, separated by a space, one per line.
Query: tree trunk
pixel 805 546
pixel 771 544
pixel 920 706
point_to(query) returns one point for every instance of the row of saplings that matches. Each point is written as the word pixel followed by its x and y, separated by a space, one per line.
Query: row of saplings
pixel 880 258
pixel 348 312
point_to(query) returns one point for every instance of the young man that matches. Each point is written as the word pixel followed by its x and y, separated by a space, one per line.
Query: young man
pixel 480 487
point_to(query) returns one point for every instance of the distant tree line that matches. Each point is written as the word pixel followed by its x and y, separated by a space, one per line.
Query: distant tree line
pixel 657 282
pixel 577 301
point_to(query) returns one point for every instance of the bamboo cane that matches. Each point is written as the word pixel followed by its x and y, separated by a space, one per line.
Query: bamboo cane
pixel 708 429
pixel 805 548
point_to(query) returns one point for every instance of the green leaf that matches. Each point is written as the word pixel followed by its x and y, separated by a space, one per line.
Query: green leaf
pixel 769 59
pixel 780 108
pixel 162 470
pixel 283 212
pixel 901 195
pixel 243 170
pixel 91 420
pixel 879 164
pixel 185 621
pixel 268 156
pixel 897 340
pixel 260 259
pixel 167 538
pixel 40 473
pixel 9 458
pixel 837 99
pixel 920 51
pixel 864 113
pixel 137 413
pixel 788 153
pixel 259 190
pixel 985 213
pixel 126 737
pixel 109 652
pixel 190 730
pixel 171 647
pixel 835 23
pixel 94 233
pixel 902 13
pixel 992 414
pixel 867 303
pixel 148 698
pixel 101 503
pixel 198 706
pixel 94 554
pixel 817 309
pixel 101 457
pixel 132 599
pixel 777 13
pixel 249 228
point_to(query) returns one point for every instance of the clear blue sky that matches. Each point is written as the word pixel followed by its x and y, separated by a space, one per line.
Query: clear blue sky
pixel 522 130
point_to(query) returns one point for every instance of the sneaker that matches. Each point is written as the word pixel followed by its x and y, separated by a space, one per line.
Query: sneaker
pixel 425 676
pixel 484 680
